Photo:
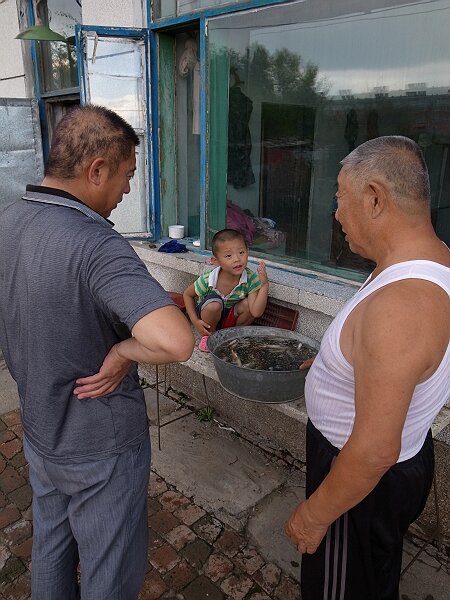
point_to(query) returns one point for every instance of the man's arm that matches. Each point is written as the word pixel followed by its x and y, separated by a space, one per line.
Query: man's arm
pixel 257 301
pixel 398 343
pixel 162 336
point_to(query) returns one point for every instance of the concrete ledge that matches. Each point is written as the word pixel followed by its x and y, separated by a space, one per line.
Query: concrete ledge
pixel 321 293
pixel 317 297
pixel 428 519
pixel 202 363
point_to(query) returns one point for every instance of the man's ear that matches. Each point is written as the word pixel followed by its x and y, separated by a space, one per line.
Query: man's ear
pixel 97 171
pixel 213 260
pixel 377 198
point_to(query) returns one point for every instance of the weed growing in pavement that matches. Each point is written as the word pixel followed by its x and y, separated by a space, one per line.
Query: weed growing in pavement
pixel 205 414
pixel 182 399
pixel 143 383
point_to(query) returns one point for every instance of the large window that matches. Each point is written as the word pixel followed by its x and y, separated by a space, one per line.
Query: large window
pixel 58 70
pixel 179 130
pixel 293 88
pixel 58 59
pixel 115 76
pixel 175 8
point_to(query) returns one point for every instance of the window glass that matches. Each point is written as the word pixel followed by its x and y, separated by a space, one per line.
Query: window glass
pixel 115 78
pixel 58 60
pixel 293 89
pixel 174 8
pixel 188 131
pixel 179 131
pixel 131 215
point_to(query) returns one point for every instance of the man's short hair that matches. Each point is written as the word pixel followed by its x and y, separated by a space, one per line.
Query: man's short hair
pixel 87 132
pixel 400 162
pixel 226 235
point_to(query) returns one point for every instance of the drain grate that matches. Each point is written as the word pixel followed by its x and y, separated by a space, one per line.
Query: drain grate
pixel 275 315
pixel 279 316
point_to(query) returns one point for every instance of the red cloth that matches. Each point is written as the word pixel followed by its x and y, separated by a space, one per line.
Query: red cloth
pixel 230 320
pixel 239 220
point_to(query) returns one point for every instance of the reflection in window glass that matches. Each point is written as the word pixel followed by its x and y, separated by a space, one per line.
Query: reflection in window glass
pixel 188 131
pixel 293 89
pixel 179 130
pixel 174 8
pixel 131 215
pixel 58 60
pixel 116 77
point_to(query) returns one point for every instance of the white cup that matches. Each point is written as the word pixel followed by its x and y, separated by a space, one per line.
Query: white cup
pixel 176 232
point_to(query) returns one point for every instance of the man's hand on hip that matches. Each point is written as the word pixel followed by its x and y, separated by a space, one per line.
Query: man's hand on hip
pixel 111 373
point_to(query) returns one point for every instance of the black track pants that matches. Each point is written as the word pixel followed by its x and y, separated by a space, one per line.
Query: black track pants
pixel 360 557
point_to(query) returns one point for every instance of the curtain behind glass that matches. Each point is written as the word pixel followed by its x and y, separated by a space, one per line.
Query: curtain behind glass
pixel 218 139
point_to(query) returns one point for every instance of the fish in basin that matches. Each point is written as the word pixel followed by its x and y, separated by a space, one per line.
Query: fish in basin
pixel 265 353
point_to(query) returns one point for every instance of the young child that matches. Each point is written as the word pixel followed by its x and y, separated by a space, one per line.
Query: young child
pixel 229 295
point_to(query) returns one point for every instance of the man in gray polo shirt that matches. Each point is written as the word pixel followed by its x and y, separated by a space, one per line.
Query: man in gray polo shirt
pixel 78 310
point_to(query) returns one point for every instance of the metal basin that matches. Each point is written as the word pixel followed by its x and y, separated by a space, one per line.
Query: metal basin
pixel 272 387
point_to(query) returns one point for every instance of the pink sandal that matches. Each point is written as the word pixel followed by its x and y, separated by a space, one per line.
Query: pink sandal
pixel 203 347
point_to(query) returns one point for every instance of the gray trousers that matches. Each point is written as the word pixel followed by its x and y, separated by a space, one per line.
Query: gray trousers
pixel 91 512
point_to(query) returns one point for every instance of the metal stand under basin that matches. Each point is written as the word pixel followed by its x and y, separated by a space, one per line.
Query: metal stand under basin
pixel 158 415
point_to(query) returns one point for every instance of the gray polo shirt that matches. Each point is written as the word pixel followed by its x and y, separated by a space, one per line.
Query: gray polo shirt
pixel 70 288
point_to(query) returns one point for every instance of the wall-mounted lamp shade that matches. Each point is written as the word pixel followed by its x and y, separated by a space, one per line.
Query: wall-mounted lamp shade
pixel 40 32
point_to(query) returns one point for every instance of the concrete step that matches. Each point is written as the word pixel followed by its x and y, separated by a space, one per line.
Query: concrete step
pixel 281 428
pixel 254 493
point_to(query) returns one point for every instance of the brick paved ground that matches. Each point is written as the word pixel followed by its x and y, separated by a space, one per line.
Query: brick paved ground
pixel 192 555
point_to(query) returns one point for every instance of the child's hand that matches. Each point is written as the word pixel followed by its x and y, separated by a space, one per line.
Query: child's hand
pixel 262 273
pixel 202 327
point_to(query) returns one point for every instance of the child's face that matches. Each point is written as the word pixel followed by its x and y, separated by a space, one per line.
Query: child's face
pixel 232 256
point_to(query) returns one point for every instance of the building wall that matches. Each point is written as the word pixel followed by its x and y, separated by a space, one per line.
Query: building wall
pixel 21 160
pixel 115 13
pixel 12 68
pixel 16 74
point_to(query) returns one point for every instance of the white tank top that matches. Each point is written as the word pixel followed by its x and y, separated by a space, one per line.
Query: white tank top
pixel 330 388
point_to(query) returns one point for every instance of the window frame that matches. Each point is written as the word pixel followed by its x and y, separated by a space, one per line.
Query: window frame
pixel 203 16
pixel 45 98
pixel 208 12
pixel 151 178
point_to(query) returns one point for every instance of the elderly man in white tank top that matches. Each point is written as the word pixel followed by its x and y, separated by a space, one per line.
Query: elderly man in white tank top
pixel 378 382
